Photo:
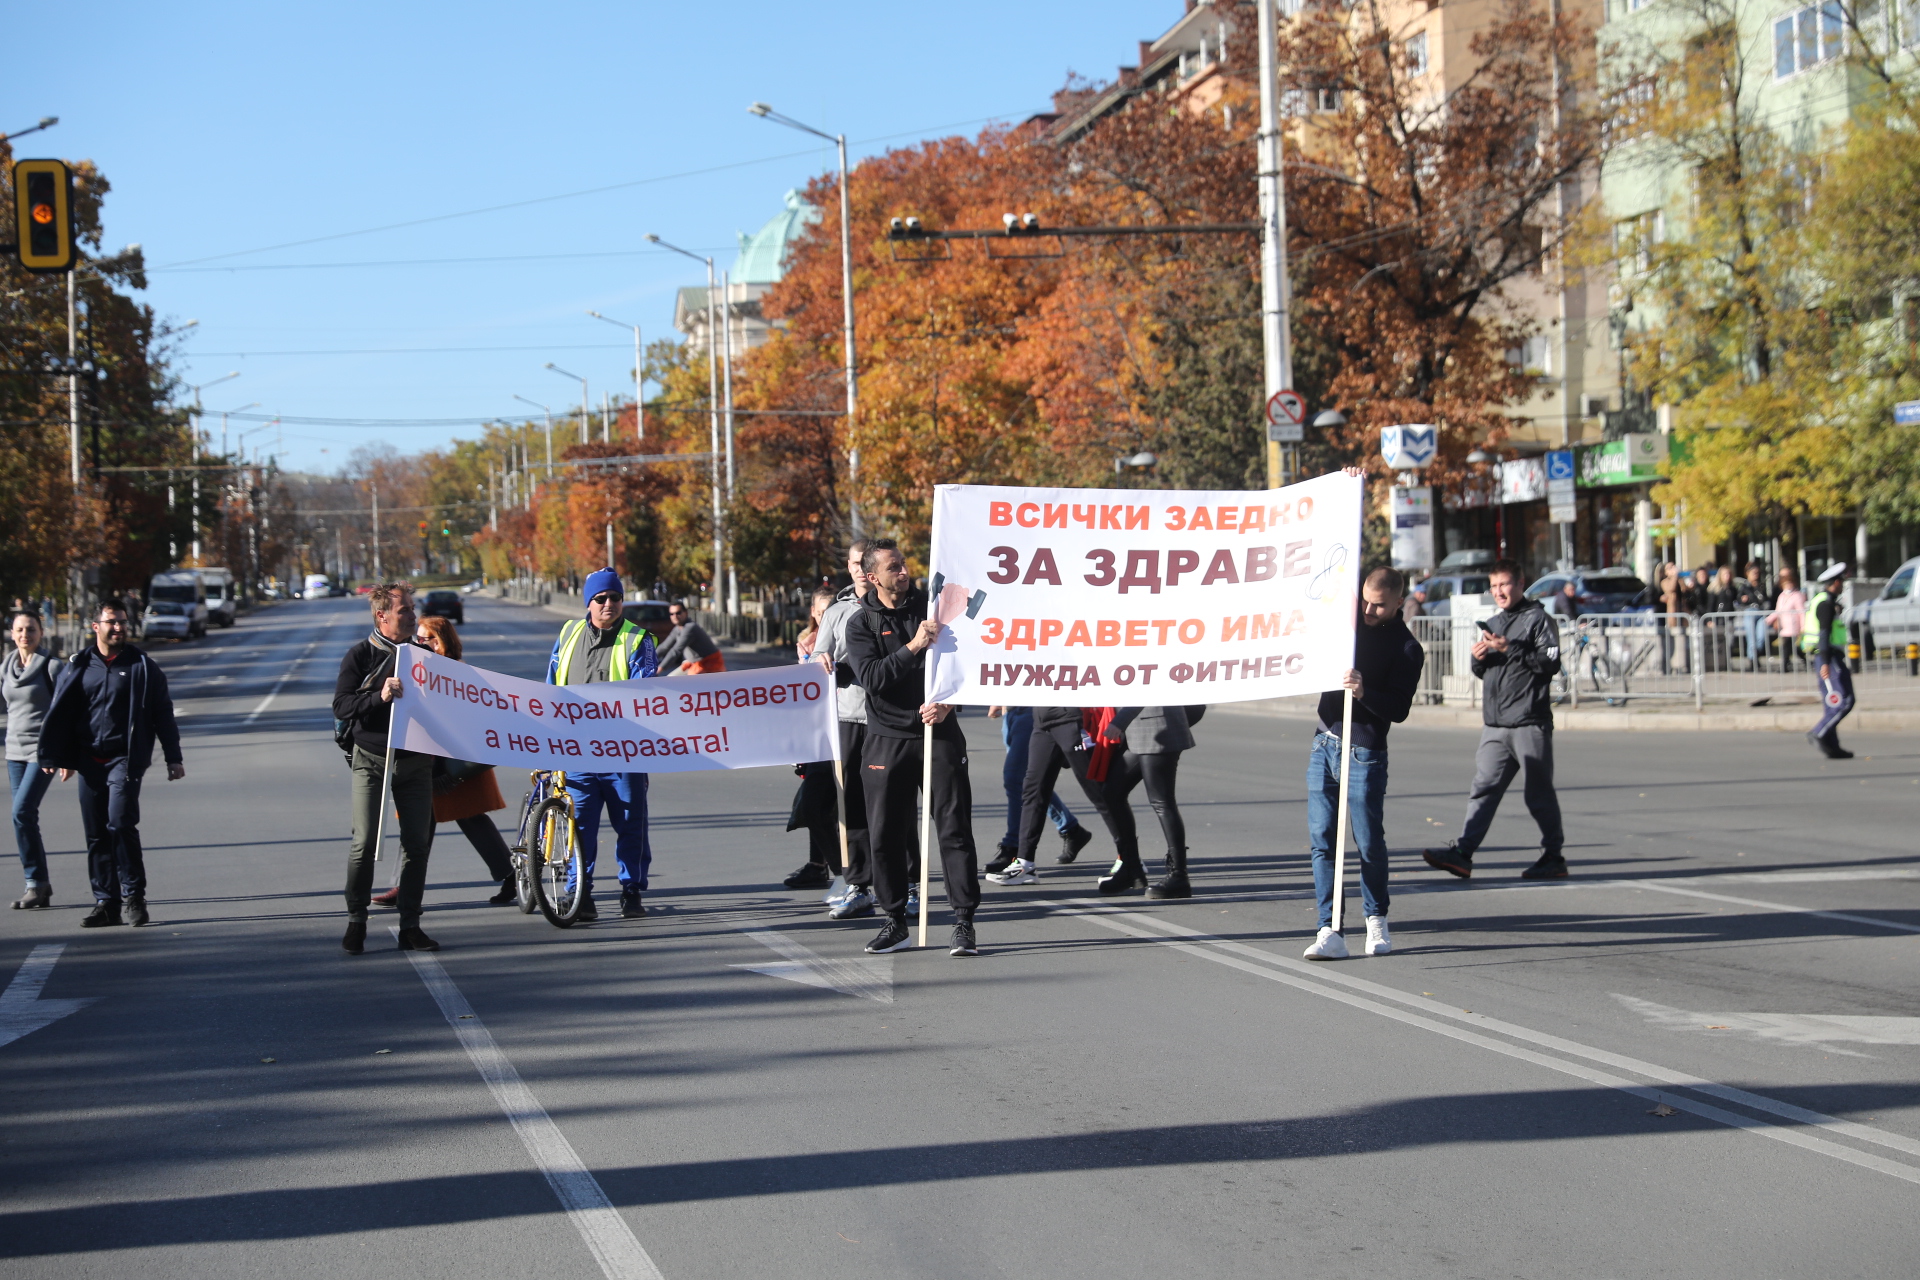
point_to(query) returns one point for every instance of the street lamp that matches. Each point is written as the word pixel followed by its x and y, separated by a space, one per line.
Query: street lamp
pixel 193 433
pixel 713 402
pixel 839 140
pixel 223 425
pixel 584 412
pixel 1329 419
pixel 639 400
pixel 549 413
pixel 46 122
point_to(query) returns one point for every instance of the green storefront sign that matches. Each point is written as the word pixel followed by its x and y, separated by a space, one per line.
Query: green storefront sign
pixel 1632 459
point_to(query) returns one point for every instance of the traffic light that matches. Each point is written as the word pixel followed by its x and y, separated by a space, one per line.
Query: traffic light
pixel 423 528
pixel 43 214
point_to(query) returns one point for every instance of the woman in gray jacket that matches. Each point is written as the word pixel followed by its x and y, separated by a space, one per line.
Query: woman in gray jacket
pixel 1154 738
pixel 26 679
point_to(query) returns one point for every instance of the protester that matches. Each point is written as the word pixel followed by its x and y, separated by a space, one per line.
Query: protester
pixel 815 808
pixel 1068 737
pixel 604 646
pixel 689 650
pixel 464 793
pixel 26 677
pixel 1789 611
pixel 1825 642
pixel 1515 660
pixel 109 704
pixel 1153 739
pixel 886 646
pixel 363 697
pixel 1387 662
pixel 1016 733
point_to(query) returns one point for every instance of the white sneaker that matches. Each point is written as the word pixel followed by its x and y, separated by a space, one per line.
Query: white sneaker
pixel 1379 941
pixel 1019 871
pixel 1328 946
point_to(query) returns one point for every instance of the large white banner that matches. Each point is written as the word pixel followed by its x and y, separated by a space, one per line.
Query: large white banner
pixel 728 720
pixel 1104 597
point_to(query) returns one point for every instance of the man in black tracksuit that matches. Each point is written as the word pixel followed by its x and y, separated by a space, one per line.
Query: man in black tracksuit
pixel 1516 660
pixel 886 645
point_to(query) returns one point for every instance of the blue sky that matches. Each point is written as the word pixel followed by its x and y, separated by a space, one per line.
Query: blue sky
pixel 229 129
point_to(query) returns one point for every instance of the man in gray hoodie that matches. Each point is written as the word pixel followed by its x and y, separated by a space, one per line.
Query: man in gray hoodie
pixel 1515 658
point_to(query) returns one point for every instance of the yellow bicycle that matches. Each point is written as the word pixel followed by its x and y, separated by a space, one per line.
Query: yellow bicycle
pixel 548 858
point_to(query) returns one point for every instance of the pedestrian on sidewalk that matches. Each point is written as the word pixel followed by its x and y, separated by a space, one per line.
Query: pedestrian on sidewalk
pixel 1825 642
pixel 1387 662
pixel 887 643
pixel 1787 619
pixel 363 696
pixel 604 646
pixel 26 678
pixel 815 809
pixel 464 793
pixel 689 650
pixel 1515 659
pixel 110 703
pixel 1016 734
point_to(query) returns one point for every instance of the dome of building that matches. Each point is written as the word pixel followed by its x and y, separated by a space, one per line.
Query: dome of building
pixel 763 255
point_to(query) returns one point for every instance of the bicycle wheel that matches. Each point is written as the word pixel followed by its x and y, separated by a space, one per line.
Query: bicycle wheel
pixel 556 863
pixel 523 859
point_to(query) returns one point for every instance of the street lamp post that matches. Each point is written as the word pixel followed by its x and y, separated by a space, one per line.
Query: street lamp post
pixel 585 412
pixel 713 404
pixel 639 400
pixel 839 140
pixel 549 416
pixel 193 451
pixel 726 400
pixel 1275 338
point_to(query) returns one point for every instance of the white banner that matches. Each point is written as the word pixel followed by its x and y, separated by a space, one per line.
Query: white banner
pixel 728 720
pixel 1119 597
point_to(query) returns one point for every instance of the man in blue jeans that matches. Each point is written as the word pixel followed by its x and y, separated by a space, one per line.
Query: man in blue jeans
pixel 1016 734
pixel 1386 674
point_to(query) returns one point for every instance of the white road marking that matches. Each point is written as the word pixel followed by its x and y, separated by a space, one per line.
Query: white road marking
pixel 1662 886
pixel 22 1011
pixel 1819 877
pixel 285 676
pixel 1824 1030
pixel 607 1235
pixel 868 978
pixel 1321 981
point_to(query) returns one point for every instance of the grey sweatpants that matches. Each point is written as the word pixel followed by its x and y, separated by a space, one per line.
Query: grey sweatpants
pixel 1503 753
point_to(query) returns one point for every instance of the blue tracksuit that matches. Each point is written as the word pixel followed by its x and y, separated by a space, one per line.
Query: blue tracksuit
pixel 622 797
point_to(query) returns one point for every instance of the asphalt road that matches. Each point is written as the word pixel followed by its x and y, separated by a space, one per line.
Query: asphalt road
pixel 729 1088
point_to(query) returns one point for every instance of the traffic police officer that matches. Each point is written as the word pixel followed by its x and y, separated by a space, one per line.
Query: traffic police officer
pixel 1824 641
pixel 605 646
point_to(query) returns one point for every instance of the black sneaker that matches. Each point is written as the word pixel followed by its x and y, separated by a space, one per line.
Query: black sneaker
pixel 814 875
pixel 508 895
pixel 1552 866
pixel 1003 857
pixel 587 912
pixel 1448 858
pixel 415 939
pixel 630 905
pixel 137 912
pixel 1072 841
pixel 963 942
pixel 104 915
pixel 354 941
pixel 893 936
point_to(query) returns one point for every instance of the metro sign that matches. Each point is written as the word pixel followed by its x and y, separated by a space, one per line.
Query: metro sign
pixel 1405 448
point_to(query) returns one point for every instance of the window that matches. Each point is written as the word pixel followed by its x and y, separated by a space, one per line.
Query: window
pixel 1901 586
pixel 1437 590
pixel 1417 55
pixel 1807 38
pixel 1629 111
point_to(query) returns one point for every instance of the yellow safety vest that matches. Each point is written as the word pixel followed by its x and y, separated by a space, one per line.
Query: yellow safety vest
pixel 619 668
pixel 1837 636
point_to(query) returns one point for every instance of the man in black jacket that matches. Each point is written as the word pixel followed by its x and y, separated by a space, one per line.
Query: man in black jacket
pixel 886 643
pixel 363 696
pixel 109 705
pixel 1516 660
pixel 1387 662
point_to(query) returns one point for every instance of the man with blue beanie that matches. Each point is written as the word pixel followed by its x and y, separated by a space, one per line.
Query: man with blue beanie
pixel 600 647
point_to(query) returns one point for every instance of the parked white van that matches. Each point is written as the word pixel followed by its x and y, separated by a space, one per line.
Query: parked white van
pixel 317 587
pixel 176 606
pixel 223 604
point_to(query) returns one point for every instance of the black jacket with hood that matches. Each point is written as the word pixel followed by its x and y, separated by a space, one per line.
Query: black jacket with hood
pixel 894 677
pixel 1517 686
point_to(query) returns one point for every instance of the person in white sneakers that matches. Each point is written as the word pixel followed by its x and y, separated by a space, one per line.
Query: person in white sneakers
pixel 1385 676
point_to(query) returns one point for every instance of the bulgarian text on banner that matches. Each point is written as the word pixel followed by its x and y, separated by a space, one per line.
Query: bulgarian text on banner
pixel 728 720
pixel 1102 597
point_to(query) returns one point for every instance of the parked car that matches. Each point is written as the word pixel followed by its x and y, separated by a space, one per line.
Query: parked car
pixel 651 614
pixel 1890 620
pixel 444 604
pixel 476 585
pixel 223 601
pixel 1597 591
pixel 1455 561
pixel 176 606
pixel 1441 588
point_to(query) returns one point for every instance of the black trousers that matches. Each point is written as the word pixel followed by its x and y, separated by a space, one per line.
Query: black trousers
pixel 1158 771
pixel 485 839
pixel 890 777
pixel 110 813
pixel 853 745
pixel 1047 752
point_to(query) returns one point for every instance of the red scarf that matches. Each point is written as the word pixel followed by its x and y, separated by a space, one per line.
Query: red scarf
pixel 1094 721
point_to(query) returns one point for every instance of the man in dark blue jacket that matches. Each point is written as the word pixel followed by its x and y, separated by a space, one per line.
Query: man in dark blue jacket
pixel 109 705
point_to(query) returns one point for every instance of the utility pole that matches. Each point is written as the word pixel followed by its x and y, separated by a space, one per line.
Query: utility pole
pixel 1277 341
pixel 377 578
pixel 73 386
pixel 726 298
